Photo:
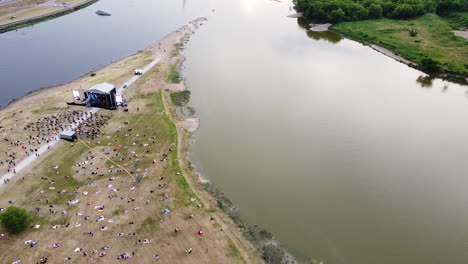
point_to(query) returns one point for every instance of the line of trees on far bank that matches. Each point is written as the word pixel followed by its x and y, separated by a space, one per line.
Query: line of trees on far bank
pixel 352 10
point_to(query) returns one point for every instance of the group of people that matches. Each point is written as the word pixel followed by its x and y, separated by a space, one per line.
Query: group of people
pixel 123 177
pixel 25 136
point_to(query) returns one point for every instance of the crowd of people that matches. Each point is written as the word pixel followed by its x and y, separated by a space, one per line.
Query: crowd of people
pixel 113 173
pixel 25 136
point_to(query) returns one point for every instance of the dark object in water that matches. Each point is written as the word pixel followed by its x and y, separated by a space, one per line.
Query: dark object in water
pixel 102 13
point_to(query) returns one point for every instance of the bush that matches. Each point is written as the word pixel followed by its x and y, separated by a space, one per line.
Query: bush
pixel 273 254
pixel 174 75
pixel 375 11
pixel 92 74
pixel 337 15
pixel 180 98
pixel 15 219
pixel 413 32
pixel 430 66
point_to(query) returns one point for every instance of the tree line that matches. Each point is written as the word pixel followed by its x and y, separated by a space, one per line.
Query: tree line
pixel 352 10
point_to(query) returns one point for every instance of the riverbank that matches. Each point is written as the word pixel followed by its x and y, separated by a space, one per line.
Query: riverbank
pixel 414 40
pixel 132 170
pixel 43 12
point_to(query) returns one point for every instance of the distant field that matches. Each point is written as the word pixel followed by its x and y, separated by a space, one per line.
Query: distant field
pixel 37 11
pixel 434 39
pixel 25 12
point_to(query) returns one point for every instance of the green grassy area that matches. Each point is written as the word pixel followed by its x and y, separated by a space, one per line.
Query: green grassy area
pixel 234 251
pixel 174 75
pixel 177 48
pixel 65 165
pixel 458 20
pixel 433 40
pixel 180 98
pixel 148 226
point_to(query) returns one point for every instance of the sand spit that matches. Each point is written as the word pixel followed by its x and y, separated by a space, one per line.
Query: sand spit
pixel 320 27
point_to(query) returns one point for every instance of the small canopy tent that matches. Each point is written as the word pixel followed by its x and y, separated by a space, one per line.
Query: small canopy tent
pixel 102 95
pixel 68 135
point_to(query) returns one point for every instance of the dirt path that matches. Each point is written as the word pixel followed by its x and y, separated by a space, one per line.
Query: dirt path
pixel 463 34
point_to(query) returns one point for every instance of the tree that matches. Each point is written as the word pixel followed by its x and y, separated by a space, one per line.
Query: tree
pixel 15 219
pixel 375 10
pixel 403 11
pixel 337 15
pixel 430 66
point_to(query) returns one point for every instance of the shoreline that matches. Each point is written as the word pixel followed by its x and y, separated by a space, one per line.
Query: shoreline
pixel 185 130
pixel 446 75
pixel 454 77
pixel 41 18
pixel 390 54
pixel 263 241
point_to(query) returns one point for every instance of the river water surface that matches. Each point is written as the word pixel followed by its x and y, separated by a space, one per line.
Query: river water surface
pixel 65 48
pixel 333 147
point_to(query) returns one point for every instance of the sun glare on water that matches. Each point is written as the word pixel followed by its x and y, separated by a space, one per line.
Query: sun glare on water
pixel 249 5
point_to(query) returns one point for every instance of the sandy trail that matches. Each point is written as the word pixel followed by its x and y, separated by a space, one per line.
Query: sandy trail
pixel 136 77
pixel 461 33
pixel 390 54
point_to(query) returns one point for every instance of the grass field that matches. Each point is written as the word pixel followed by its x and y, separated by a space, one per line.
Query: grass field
pixel 435 39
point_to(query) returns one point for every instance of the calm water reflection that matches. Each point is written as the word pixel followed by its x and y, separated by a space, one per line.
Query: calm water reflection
pixel 335 148
pixel 330 36
pixel 62 49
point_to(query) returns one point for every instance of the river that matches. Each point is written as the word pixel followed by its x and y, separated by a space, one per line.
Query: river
pixel 62 49
pixel 336 149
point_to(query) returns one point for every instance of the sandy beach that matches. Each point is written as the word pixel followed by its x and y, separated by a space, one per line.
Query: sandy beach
pixel 320 27
pixel 390 54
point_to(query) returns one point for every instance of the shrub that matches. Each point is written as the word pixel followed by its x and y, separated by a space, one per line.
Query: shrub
pixel 15 219
pixel 430 66
pixel 273 254
pixel 375 10
pixel 174 75
pixel 92 74
pixel 180 98
pixel 413 32
pixel 337 15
